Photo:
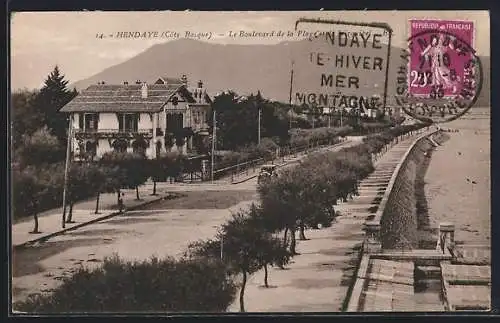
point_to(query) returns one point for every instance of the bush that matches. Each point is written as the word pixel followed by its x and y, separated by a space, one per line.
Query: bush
pixel 317 136
pixel 158 285
pixel 305 195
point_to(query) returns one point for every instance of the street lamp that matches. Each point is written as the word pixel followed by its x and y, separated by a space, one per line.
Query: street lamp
pixel 66 167
pixel 213 145
pixel 258 122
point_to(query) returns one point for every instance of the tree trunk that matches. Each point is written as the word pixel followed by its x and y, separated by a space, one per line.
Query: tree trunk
pixel 293 242
pixel 265 276
pixel 35 217
pixel 137 193
pixel 154 187
pixel 70 213
pixel 64 214
pixel 242 292
pixel 281 265
pixel 97 203
pixel 302 235
pixel 118 197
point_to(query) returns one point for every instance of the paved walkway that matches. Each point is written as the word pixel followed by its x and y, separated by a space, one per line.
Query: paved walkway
pixel 84 211
pixel 319 278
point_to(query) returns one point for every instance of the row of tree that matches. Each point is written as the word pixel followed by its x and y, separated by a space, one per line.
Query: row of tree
pixel 206 278
pixel 301 197
pixel 238 120
pixel 38 178
pixel 40 188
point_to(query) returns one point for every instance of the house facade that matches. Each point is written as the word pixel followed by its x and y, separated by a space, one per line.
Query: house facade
pixel 163 116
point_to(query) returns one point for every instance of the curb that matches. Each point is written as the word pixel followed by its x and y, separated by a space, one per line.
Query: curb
pixel 98 219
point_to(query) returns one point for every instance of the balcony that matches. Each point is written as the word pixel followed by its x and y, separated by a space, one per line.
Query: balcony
pixel 112 133
pixel 201 129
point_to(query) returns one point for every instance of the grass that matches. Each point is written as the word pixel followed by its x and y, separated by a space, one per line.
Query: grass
pixel 204 200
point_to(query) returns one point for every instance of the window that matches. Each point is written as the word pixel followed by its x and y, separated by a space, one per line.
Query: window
pixel 139 145
pixel 128 122
pixel 174 122
pixel 91 149
pixel 90 121
pixel 120 145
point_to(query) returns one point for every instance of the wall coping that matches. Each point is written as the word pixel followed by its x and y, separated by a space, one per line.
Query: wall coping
pixel 395 175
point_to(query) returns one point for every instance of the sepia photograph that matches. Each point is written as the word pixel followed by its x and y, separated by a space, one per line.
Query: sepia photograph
pixel 321 161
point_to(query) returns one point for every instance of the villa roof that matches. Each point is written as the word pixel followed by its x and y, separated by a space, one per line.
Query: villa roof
pixel 170 80
pixel 125 98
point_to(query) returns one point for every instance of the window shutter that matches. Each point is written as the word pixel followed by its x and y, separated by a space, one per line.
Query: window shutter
pixel 80 120
pixel 120 121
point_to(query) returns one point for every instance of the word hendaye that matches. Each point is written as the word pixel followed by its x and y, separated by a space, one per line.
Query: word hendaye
pixel 347 61
pixel 344 39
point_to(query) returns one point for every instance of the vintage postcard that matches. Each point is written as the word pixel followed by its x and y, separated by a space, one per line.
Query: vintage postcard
pixel 272 161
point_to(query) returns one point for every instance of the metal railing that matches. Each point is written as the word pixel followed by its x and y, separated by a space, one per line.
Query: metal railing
pixel 115 131
pixel 245 167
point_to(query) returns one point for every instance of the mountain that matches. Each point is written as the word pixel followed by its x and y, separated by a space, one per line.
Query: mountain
pixel 245 68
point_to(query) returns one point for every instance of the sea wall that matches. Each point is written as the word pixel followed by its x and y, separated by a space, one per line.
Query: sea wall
pixel 397 212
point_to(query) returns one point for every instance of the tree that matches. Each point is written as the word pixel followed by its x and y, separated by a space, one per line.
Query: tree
pixel 27 190
pixel 279 199
pixel 102 178
pixel 51 98
pixel 39 148
pixel 243 244
pixel 26 119
pixel 159 169
pixel 130 170
pixel 271 251
pixel 115 163
pixel 79 186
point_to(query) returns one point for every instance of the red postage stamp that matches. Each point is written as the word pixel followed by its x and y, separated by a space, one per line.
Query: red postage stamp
pixel 437 59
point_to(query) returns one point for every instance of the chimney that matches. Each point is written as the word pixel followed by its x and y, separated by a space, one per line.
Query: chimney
pixel 200 84
pixel 144 90
pixel 184 80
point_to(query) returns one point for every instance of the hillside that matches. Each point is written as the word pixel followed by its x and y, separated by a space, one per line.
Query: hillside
pixel 242 68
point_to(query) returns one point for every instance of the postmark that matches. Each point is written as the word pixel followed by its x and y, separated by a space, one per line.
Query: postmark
pixel 341 65
pixel 441 78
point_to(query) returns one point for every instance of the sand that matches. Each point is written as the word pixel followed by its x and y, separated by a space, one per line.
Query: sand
pixel 451 194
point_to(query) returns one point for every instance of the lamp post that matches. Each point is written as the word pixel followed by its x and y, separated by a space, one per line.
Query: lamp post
pixel 213 145
pixel 66 167
pixel 258 130
pixel 290 94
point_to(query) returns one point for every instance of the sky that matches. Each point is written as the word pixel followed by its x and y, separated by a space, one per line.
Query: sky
pixel 41 40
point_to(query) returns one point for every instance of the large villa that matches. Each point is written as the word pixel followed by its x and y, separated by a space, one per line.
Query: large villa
pixel 163 116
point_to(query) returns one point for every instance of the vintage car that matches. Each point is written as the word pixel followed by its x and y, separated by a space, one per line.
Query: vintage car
pixel 267 172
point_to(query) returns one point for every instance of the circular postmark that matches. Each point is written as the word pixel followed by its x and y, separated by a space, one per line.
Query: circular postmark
pixel 443 77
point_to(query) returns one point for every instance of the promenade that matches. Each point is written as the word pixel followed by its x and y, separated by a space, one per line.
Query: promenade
pixel 318 279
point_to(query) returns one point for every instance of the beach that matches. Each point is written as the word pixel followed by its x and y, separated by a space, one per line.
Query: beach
pixel 457 182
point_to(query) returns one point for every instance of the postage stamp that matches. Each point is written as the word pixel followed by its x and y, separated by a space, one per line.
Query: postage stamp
pixel 444 76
